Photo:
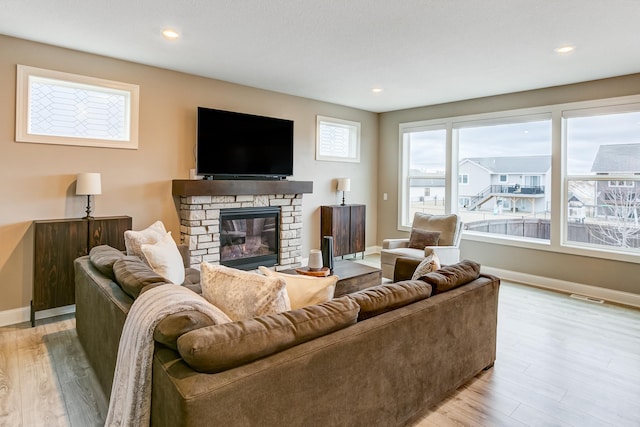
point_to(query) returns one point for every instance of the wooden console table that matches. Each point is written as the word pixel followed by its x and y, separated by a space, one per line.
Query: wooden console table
pixel 57 244
pixel 346 223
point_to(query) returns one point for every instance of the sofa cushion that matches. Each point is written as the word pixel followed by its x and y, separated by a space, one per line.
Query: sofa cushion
pixel 427 265
pixel 132 275
pixel 305 290
pixel 452 276
pixel 243 294
pixel 175 325
pixel 133 239
pixel 165 259
pixel 382 298
pixel 419 239
pixel 102 257
pixel 445 224
pixel 221 347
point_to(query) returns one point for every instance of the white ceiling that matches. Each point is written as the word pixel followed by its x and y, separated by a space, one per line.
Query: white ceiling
pixel 421 52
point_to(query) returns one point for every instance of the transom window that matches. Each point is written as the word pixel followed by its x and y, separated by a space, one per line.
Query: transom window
pixel 61 108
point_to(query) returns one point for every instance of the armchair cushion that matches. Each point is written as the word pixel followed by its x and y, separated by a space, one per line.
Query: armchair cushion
pixel 419 239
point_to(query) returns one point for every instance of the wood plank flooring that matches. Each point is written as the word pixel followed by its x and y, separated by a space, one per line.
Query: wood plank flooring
pixel 561 362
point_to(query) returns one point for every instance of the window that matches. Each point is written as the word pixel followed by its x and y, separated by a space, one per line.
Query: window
pixel 61 108
pixel 603 163
pixel 585 154
pixel 337 140
pixel 423 175
pixel 509 161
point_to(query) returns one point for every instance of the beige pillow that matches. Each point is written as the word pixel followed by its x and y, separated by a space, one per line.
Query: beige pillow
pixel 242 294
pixel 134 239
pixel 305 290
pixel 165 259
pixel 217 348
pixel 426 266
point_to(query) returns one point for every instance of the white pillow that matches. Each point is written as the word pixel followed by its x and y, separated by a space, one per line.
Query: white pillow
pixel 152 234
pixel 429 264
pixel 305 290
pixel 242 294
pixel 165 259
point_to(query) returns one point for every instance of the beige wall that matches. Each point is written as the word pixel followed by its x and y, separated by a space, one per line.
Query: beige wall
pixel 615 275
pixel 38 179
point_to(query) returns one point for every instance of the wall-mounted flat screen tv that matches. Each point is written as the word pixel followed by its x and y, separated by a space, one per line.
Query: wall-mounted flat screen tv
pixel 234 145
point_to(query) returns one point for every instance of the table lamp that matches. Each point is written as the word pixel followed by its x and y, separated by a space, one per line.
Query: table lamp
pixel 88 184
pixel 344 185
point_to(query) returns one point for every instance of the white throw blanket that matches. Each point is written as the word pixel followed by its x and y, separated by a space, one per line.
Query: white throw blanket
pixel 130 403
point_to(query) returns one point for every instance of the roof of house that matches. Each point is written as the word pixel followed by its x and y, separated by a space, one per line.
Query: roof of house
pixel 617 158
pixel 513 164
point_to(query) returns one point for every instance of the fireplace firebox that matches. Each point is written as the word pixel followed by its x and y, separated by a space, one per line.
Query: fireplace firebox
pixel 249 237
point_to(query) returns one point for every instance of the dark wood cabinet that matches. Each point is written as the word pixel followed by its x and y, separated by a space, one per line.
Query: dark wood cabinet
pixel 346 223
pixel 59 242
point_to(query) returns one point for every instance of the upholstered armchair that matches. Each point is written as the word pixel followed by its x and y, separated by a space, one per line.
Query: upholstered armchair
pixel 429 233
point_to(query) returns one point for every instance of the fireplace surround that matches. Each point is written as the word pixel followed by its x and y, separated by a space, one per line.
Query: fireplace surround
pixel 202 207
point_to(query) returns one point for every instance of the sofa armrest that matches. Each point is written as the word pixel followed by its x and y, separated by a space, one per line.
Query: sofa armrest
pixel 404 268
pixel 395 243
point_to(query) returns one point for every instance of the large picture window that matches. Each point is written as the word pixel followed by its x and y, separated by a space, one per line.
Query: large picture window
pixel 562 177
pixel 61 108
pixel 423 175
pixel 508 162
pixel 603 186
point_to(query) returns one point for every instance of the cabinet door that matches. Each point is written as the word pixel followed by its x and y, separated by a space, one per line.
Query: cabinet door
pixel 57 244
pixel 358 216
pixel 108 231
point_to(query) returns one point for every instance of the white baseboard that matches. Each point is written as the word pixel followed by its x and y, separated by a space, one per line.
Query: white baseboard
pixel 611 295
pixel 23 314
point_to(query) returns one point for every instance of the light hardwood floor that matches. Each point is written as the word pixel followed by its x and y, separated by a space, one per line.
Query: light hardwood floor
pixel 560 362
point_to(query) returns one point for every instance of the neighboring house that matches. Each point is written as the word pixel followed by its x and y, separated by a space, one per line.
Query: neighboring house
pixel 426 188
pixel 515 183
pixel 617 197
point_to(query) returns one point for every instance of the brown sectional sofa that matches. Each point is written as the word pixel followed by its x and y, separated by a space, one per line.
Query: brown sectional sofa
pixel 385 370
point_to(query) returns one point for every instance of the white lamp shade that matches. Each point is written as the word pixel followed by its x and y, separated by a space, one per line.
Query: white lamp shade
pixel 344 184
pixel 88 184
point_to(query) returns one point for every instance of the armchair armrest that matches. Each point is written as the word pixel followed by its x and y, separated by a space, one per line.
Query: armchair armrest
pixel 395 243
pixel 446 254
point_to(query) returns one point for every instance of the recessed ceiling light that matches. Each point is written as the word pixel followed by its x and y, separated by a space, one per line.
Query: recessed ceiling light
pixel 376 90
pixel 170 34
pixel 564 49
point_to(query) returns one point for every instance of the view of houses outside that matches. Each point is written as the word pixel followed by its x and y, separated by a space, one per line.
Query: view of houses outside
pixel 504 179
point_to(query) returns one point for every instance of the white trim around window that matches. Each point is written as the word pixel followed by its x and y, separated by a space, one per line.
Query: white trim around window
pixel 53 107
pixel 337 140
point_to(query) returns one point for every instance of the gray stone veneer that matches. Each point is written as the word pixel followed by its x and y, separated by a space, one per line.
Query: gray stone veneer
pixel 200 225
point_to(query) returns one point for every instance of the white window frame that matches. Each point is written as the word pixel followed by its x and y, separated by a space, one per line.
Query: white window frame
pixel 353 150
pixel 559 203
pixel 26 75
pixel 463 179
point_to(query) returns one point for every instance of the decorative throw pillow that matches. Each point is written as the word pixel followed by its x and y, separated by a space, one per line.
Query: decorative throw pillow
pixel 165 259
pixel 217 348
pixel 242 294
pixel 134 239
pixel 305 290
pixel 452 276
pixel 103 257
pixel 427 265
pixel 419 239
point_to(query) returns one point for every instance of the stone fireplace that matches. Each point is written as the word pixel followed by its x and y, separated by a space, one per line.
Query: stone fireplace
pixel 259 224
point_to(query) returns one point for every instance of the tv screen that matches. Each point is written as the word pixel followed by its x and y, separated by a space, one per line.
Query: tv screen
pixel 236 145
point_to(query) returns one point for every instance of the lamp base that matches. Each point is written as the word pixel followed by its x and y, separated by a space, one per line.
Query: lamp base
pixel 342 204
pixel 88 211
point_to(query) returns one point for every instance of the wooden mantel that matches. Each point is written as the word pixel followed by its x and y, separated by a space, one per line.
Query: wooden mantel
pixel 200 187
